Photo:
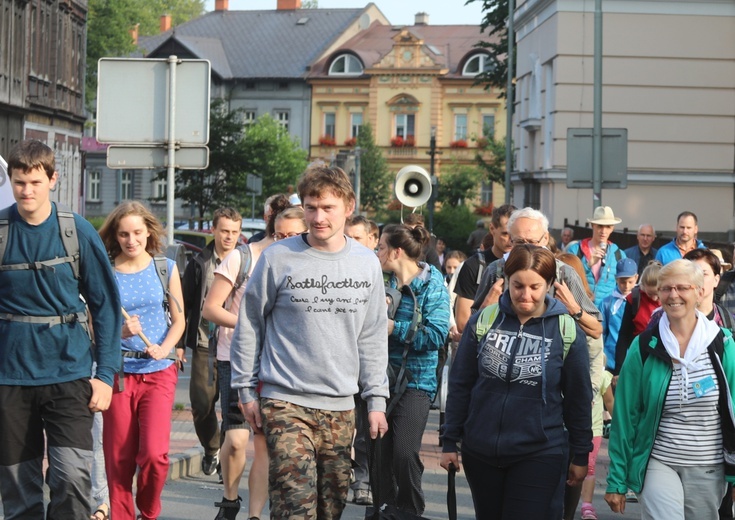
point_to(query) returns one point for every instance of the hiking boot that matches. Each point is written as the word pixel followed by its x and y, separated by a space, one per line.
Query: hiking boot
pixel 228 509
pixel 362 497
pixel 209 463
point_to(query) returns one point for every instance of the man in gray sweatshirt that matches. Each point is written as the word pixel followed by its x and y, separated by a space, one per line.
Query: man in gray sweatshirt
pixel 313 332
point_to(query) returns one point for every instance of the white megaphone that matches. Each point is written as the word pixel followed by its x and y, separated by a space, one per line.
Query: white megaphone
pixel 413 186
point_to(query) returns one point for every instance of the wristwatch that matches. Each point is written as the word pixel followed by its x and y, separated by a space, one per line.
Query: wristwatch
pixel 577 316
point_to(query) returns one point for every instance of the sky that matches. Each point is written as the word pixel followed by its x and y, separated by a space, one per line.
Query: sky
pixel 398 12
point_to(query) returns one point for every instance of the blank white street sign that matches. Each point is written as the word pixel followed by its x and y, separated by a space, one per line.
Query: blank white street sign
pixel 150 157
pixel 132 101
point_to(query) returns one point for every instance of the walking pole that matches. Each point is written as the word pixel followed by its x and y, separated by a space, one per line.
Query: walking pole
pixel 147 342
pixel 140 334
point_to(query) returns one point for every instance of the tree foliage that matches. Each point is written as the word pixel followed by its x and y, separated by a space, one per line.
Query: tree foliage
pixel 492 164
pixel 375 178
pixel 494 23
pixel 263 148
pixel 270 152
pixel 458 183
pixel 109 23
pixel 206 190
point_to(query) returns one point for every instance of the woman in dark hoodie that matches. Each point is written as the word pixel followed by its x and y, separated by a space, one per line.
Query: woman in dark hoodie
pixel 520 376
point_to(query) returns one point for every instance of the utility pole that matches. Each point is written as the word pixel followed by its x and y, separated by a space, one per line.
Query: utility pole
pixel 509 100
pixel 433 152
pixel 597 112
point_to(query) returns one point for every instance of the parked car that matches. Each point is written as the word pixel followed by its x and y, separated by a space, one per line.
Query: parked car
pixel 250 226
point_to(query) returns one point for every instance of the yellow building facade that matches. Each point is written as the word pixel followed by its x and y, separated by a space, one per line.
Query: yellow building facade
pixel 408 83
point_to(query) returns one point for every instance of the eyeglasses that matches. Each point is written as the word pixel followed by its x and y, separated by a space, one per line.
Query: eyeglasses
pixel 521 241
pixel 680 289
pixel 281 236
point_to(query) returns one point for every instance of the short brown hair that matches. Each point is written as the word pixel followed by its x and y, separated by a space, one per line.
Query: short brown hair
pixel 30 154
pixel 317 182
pixel 228 213
pixel 524 257
pixel 414 219
pixel 108 231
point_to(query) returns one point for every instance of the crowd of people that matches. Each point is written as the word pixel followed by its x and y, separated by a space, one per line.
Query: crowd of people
pixel 324 339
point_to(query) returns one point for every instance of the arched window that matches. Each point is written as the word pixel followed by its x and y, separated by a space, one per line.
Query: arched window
pixel 345 65
pixel 477 64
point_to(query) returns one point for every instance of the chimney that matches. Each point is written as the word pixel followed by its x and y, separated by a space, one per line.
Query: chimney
pixel 165 22
pixel 133 31
pixel 221 5
pixel 422 19
pixel 289 5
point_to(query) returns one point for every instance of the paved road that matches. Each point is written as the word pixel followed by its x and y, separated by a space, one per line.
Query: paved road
pixel 193 497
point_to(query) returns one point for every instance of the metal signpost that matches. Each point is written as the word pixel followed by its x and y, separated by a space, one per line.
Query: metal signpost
pixel 136 113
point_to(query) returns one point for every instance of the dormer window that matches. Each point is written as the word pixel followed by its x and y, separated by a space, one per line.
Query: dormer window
pixel 345 65
pixel 477 64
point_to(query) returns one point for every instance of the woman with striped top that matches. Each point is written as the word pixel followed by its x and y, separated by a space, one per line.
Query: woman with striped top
pixel 673 437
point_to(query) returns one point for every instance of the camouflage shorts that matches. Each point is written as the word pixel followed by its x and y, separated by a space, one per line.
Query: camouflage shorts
pixel 309 452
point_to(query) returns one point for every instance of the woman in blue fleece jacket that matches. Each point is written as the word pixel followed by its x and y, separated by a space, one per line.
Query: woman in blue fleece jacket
pixel 512 393
pixel 399 251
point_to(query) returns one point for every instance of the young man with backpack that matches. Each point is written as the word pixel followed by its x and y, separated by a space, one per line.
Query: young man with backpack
pixel 203 386
pixel 51 258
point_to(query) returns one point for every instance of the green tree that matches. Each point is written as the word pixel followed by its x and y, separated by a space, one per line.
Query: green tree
pixel 375 178
pixel 494 165
pixel 215 186
pixel 458 183
pixel 272 154
pixel 454 224
pixel 494 23
pixel 109 23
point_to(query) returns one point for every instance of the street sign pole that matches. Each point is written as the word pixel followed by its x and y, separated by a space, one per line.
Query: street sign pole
pixel 597 112
pixel 170 181
pixel 509 100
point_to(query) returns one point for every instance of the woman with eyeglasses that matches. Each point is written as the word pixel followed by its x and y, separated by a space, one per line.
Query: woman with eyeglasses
pixel 672 431
pixel 289 223
pixel 640 305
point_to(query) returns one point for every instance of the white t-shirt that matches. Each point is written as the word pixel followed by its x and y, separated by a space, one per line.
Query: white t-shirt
pixel 229 268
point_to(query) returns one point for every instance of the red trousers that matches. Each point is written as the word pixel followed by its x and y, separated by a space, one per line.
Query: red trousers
pixel 137 430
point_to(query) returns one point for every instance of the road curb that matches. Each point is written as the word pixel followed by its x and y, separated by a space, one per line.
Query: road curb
pixel 185 464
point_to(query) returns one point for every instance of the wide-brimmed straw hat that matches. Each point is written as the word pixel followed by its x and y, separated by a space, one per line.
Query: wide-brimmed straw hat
pixel 604 216
pixel 725 266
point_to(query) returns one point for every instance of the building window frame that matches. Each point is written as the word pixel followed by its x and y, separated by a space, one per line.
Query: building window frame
pixel 283 118
pixel 94 185
pixel 126 185
pixel 477 64
pixel 356 122
pixel 460 127
pixel 346 65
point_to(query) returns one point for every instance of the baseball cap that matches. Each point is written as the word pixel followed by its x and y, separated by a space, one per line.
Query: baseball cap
pixel 626 268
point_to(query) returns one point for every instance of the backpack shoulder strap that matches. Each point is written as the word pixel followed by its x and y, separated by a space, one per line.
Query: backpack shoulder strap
pixel 486 319
pixel 725 281
pixel 161 262
pixel 635 300
pixel 568 330
pixel 727 319
pixel 162 271
pixel 69 237
pixel 481 265
pixel 4 231
pixel 644 340
pixel 246 259
pixel 618 255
